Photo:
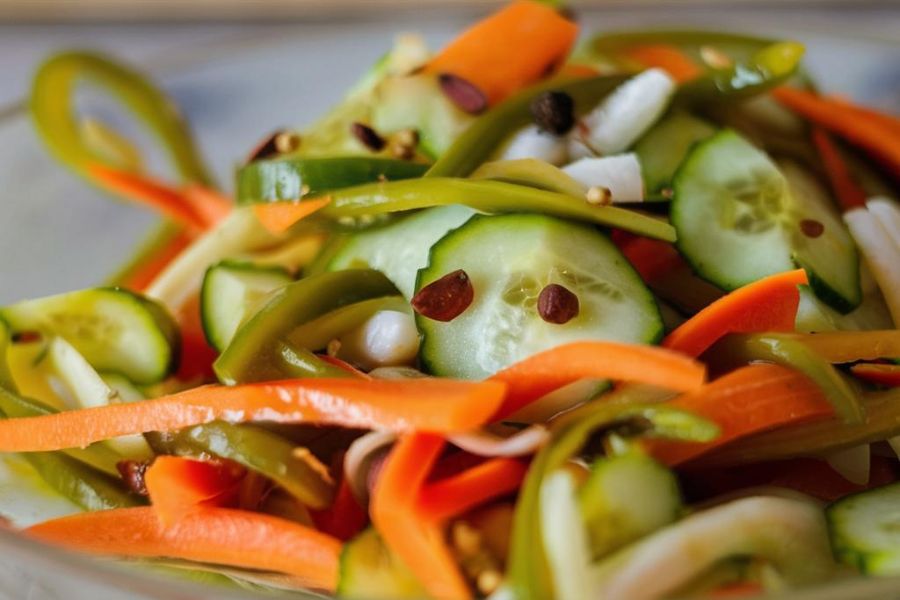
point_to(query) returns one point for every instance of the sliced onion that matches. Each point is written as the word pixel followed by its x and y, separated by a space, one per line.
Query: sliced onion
pixel 881 254
pixel 387 338
pixel 853 464
pixel 482 443
pixel 397 373
pixel 565 537
pixel 531 142
pixel 620 174
pixel 887 212
pixel 360 458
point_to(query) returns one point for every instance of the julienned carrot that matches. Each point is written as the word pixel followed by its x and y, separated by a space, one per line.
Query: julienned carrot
pixel 667 57
pixel 883 374
pixel 769 304
pixel 437 405
pixel 208 204
pixel 889 122
pixel 546 371
pixel 848 192
pixel 508 50
pixel 197 356
pixel 749 400
pixel 141 274
pixel 418 542
pixel 178 485
pixel 219 536
pixel 456 494
pixel 855 127
pixel 278 217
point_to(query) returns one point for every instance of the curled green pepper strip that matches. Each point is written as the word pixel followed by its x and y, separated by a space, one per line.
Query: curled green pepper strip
pixel 479 141
pixel 260 451
pixel 528 574
pixel 740 349
pixel 533 173
pixel 315 334
pixel 489 197
pixel 52 109
pixel 300 363
pixel 254 353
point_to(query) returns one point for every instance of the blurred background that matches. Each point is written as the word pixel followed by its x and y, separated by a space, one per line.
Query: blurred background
pixel 242 68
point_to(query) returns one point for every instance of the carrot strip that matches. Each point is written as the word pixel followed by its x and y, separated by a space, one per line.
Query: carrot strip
pixel 142 274
pixel 847 191
pixel 206 203
pixel 178 485
pixel 749 400
pixel 278 217
pixel 197 356
pixel 437 405
pixel 889 122
pixel 883 374
pixel 508 50
pixel 546 371
pixel 418 542
pixel 220 536
pixel 769 304
pixel 455 495
pixel 857 128
pixel 667 57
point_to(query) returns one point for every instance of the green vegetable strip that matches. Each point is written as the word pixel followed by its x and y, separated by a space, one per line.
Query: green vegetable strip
pixel 300 363
pixel 738 350
pixel 813 439
pixel 315 334
pixel 528 573
pixel 489 197
pixel 53 111
pixel 6 378
pixel 88 488
pixel 479 141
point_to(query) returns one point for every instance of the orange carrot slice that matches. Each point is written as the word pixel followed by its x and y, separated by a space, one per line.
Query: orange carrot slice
pixel 749 400
pixel 508 50
pixel 438 405
pixel 769 304
pixel 855 127
pixel 142 274
pixel 883 374
pixel 178 485
pixel 847 191
pixel 219 536
pixel 546 371
pixel 455 495
pixel 278 217
pixel 667 57
pixel 197 356
pixel 418 542
pixel 209 205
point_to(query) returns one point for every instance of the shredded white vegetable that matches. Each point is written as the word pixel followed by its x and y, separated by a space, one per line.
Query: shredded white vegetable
pixel 880 252
pixel 620 174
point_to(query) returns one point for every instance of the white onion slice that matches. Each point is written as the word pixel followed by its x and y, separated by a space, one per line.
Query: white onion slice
pixel 887 212
pixel 628 112
pixel 620 174
pixel 522 443
pixel 565 537
pixel 531 142
pixel 358 458
pixel 853 464
pixel 880 253
pixel 387 338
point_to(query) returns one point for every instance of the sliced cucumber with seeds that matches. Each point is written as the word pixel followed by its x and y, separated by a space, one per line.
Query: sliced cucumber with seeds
pixel 510 259
pixel 401 248
pixel 229 293
pixel 865 530
pixel 739 219
pixel 115 330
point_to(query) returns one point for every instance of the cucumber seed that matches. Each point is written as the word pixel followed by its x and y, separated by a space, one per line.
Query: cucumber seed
pixel 556 304
pixel 446 298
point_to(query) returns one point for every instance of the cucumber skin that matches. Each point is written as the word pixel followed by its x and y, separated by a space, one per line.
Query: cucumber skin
pixel 846 551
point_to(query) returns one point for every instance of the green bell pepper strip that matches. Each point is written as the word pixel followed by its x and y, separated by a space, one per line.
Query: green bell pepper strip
pixel 532 173
pixel 315 334
pixel 258 450
pixel 527 572
pixel 88 488
pixel 254 353
pixel 300 363
pixel 740 349
pixel 292 178
pixel 489 197
pixel 479 141
pixel 814 439
pixel 53 111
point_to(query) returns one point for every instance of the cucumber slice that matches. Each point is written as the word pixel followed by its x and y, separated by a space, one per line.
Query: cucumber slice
pixel 662 149
pixel 509 259
pixel 114 329
pixel 229 294
pixel 369 570
pixel 291 178
pixel 739 219
pixel 625 498
pixel 401 248
pixel 865 530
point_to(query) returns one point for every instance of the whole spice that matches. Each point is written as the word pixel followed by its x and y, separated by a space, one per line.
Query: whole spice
pixel 462 93
pixel 132 472
pixel 554 112
pixel 811 228
pixel 367 136
pixel 280 142
pixel 403 144
pixel 446 298
pixel 556 304
pixel 598 196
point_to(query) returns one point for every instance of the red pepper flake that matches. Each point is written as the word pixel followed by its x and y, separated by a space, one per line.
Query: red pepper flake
pixel 463 93
pixel 811 228
pixel 132 472
pixel 367 136
pixel 556 304
pixel 446 298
